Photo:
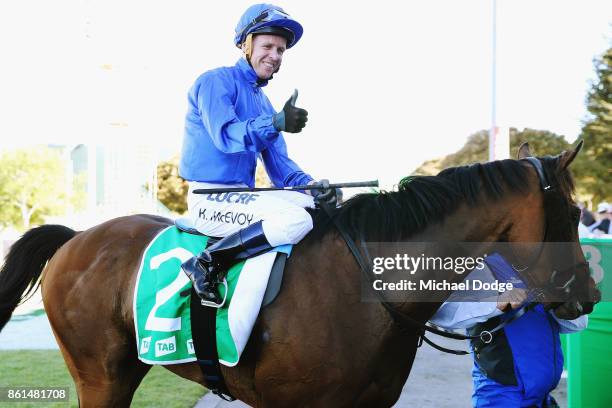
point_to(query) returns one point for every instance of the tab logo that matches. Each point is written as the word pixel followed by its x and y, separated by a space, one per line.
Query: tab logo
pixel 165 346
pixel 145 344
pixel 190 348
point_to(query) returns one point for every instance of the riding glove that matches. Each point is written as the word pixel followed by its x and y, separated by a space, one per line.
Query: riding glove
pixel 328 195
pixel 290 119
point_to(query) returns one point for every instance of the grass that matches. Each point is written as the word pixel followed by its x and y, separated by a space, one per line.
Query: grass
pixel 46 368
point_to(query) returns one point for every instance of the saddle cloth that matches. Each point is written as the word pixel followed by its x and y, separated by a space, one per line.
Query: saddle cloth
pixel 162 297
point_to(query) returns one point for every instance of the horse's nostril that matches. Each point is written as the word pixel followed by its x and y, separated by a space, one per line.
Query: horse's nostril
pixel 597 296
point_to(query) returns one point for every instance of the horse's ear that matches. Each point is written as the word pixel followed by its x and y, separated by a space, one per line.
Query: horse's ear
pixel 568 157
pixel 524 151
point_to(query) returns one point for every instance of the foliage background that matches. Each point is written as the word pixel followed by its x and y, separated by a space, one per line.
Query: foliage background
pixel 34 185
pixel 592 168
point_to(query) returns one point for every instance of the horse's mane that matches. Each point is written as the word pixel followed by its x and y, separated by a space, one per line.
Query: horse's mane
pixel 423 200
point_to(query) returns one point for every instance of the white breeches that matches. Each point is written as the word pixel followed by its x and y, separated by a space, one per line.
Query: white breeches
pixel 284 219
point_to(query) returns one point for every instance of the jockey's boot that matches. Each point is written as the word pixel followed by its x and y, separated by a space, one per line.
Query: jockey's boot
pixel 207 269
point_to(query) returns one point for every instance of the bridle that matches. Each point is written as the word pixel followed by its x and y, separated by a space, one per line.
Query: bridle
pixel 536 295
pixel 405 322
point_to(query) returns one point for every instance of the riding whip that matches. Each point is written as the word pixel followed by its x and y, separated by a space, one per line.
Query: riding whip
pixel 372 183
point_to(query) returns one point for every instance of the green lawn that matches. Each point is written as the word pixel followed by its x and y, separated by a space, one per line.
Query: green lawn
pixel 43 368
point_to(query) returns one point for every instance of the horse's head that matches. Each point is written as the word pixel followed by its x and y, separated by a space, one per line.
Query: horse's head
pixel 557 267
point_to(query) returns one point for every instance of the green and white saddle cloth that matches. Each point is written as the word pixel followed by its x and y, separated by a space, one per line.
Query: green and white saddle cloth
pixel 163 294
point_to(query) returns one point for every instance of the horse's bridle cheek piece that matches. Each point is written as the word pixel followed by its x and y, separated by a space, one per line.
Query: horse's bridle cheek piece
pixel 564 289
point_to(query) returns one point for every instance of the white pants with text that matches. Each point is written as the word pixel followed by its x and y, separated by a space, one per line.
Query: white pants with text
pixel 284 219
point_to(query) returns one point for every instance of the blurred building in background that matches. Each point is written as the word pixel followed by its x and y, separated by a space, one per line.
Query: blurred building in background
pixel 117 180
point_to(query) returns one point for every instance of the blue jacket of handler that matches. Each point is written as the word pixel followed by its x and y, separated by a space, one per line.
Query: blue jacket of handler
pixel 524 361
pixel 228 125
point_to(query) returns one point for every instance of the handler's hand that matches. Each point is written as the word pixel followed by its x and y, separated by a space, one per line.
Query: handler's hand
pixel 511 299
pixel 569 310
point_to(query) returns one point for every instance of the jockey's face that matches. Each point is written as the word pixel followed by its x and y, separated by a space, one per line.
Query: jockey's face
pixel 267 54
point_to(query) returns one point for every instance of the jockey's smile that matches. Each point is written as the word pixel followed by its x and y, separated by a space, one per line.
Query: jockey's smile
pixel 267 54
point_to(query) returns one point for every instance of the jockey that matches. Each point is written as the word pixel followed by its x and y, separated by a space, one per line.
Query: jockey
pixel 230 123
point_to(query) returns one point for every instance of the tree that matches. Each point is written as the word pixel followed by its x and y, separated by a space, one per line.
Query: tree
pixel 261 177
pixel 476 149
pixel 593 166
pixel 32 186
pixel 171 188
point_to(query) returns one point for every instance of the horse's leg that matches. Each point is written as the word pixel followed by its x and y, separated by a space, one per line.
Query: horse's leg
pixel 101 357
pixel 87 292
pixel 97 388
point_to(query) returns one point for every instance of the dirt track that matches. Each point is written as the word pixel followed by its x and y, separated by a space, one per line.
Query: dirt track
pixel 437 380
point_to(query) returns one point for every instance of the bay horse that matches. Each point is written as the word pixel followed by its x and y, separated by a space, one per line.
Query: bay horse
pixel 318 344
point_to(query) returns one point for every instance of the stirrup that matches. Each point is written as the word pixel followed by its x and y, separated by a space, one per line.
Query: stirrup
pixel 213 304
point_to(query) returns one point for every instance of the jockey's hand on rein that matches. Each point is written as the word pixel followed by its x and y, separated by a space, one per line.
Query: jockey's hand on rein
pixel 291 119
pixel 330 196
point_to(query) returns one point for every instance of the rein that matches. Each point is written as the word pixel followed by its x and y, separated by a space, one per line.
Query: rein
pixel 534 297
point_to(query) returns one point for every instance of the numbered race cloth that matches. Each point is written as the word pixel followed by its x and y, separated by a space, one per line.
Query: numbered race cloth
pixel 162 298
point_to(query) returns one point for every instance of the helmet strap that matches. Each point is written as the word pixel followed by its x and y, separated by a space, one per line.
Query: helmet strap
pixel 247 47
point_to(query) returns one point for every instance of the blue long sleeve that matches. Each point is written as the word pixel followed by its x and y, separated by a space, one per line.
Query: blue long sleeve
pixel 214 99
pixel 228 126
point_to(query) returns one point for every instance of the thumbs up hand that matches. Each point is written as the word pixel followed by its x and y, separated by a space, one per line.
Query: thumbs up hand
pixel 293 98
pixel 291 119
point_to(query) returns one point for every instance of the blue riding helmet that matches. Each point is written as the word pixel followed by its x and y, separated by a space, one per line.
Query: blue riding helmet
pixel 268 19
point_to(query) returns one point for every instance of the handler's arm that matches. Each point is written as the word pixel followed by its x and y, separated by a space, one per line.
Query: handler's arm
pixel 571 326
pixel 463 315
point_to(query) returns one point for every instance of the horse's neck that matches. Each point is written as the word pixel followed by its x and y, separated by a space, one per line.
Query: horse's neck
pixel 476 225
